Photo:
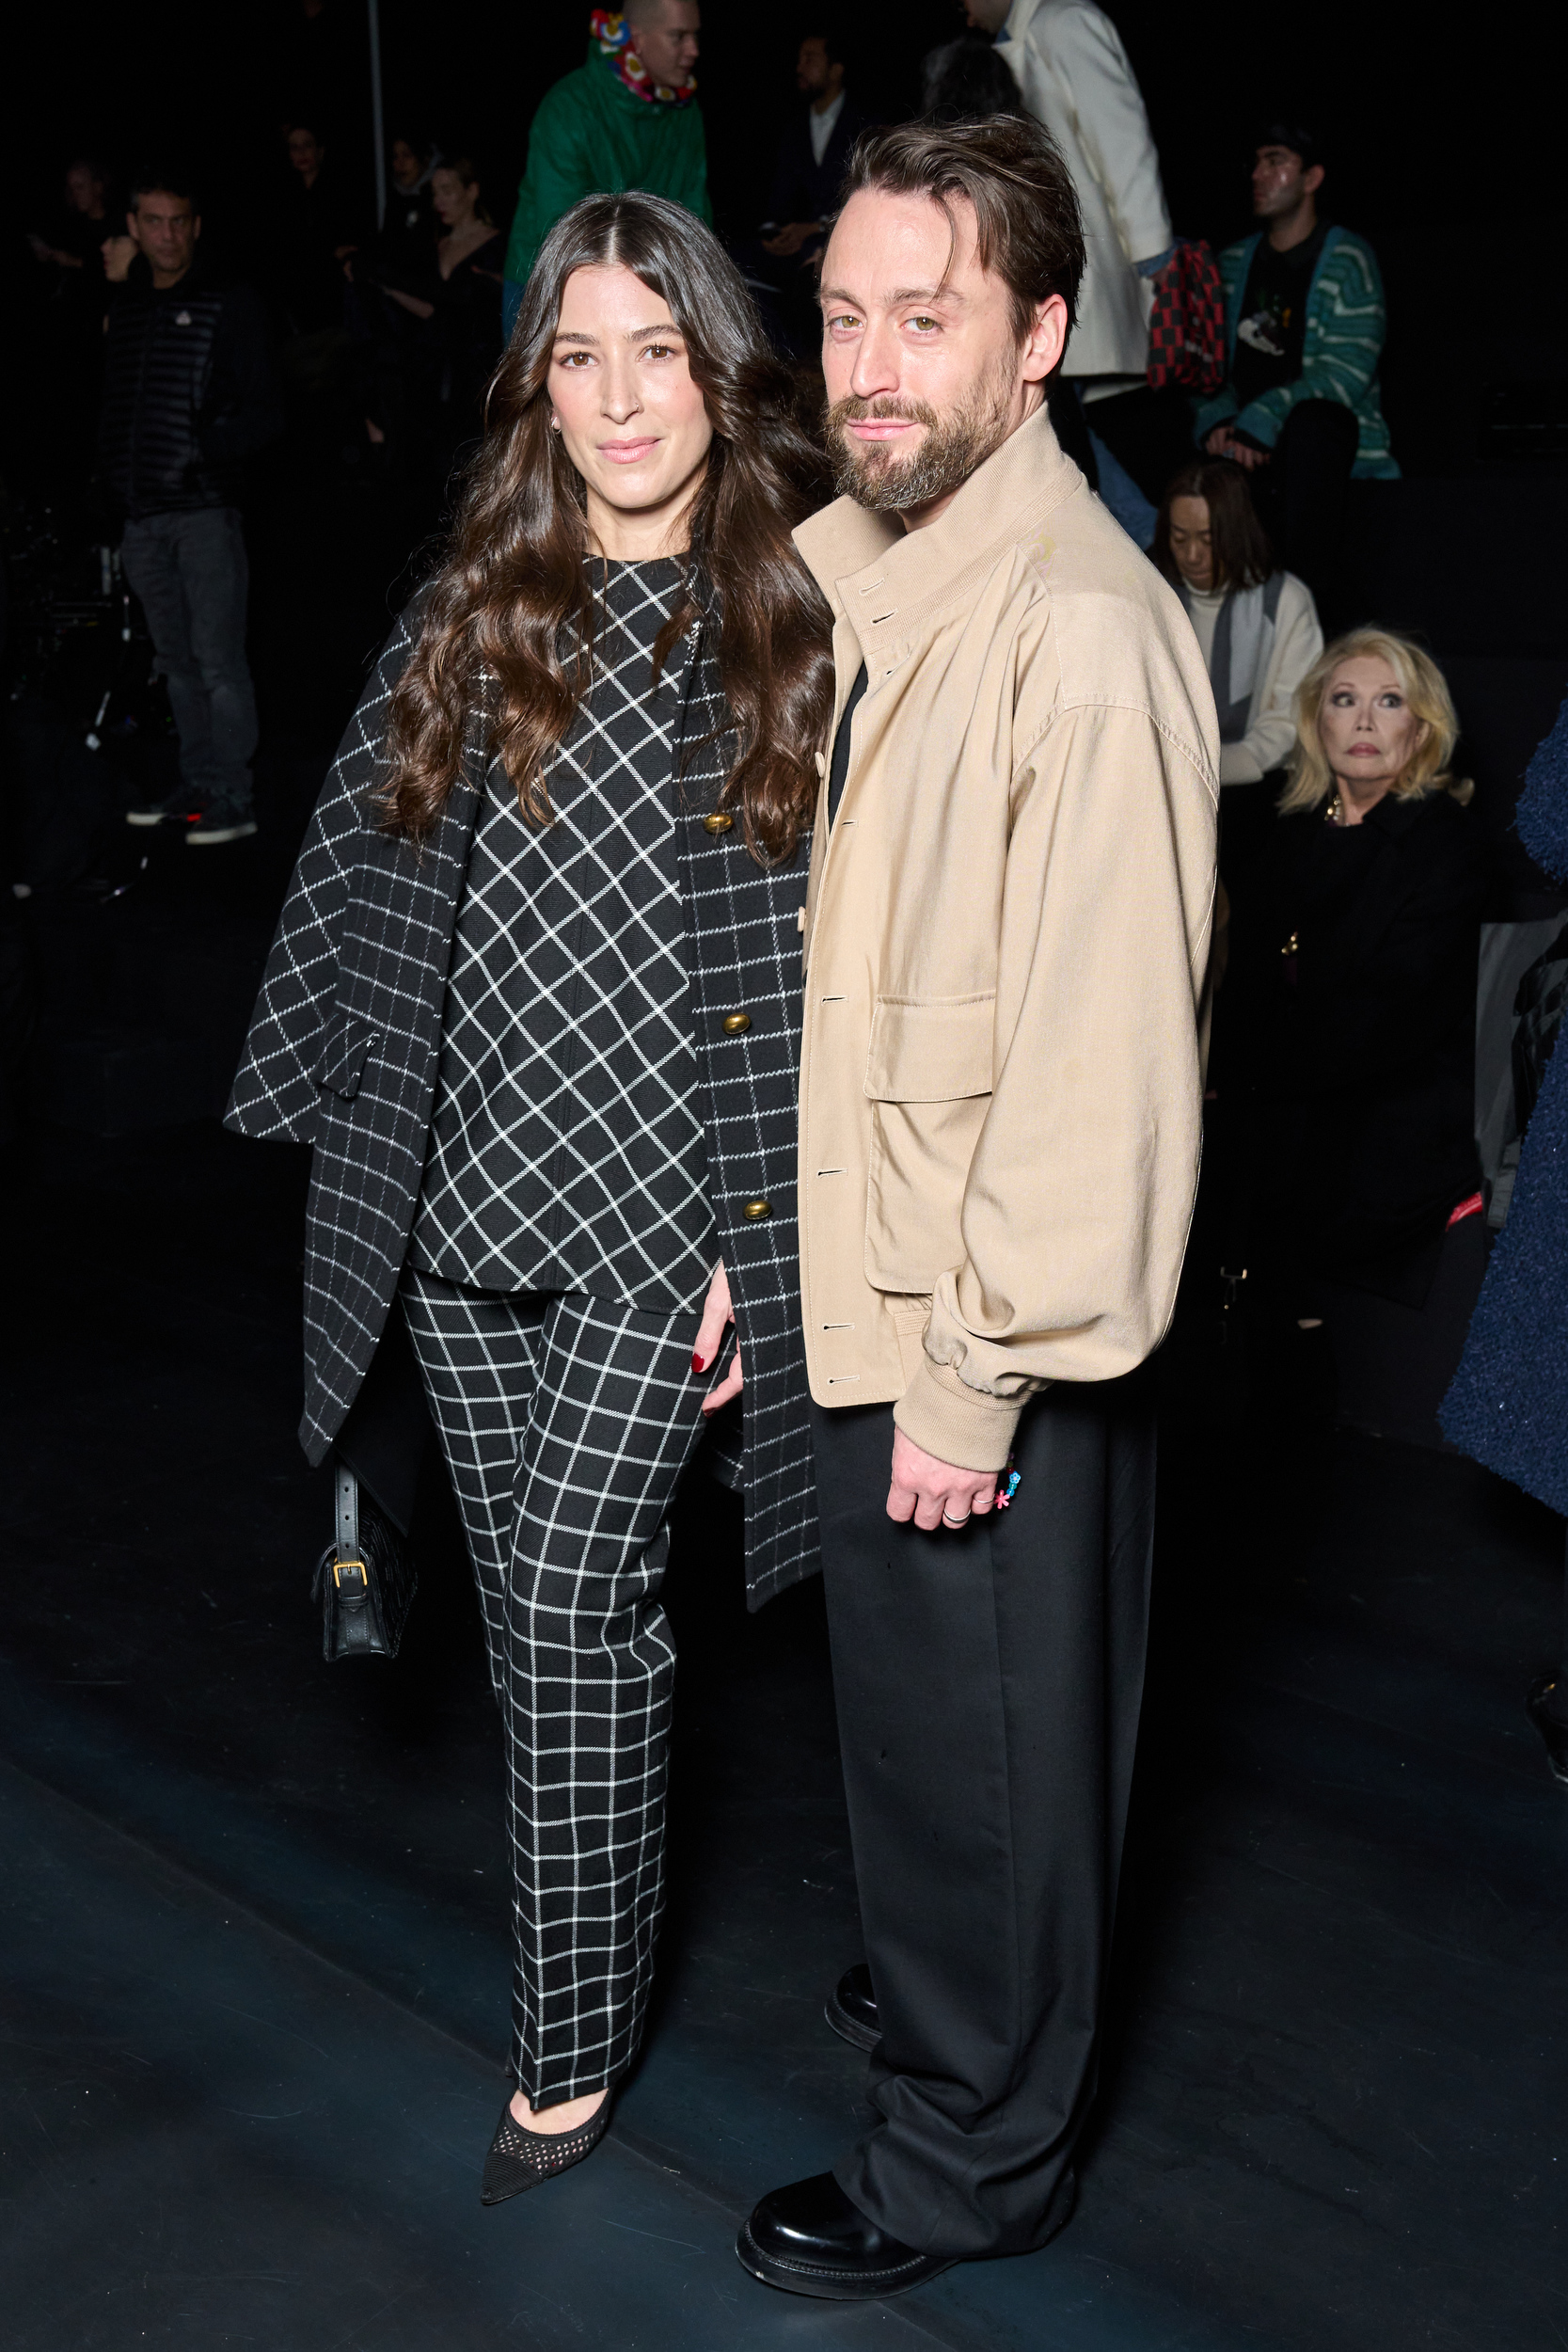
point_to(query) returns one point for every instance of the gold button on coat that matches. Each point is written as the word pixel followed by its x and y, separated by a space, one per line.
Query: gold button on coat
pixel 755 1208
pixel 718 823
pixel 736 1024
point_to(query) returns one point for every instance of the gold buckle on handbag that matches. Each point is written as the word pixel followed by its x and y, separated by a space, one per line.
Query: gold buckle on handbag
pixel 338 1566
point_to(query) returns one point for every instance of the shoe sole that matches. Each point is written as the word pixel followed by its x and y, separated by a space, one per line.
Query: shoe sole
pixel 828 2286
pixel 157 817
pixel 850 2029
pixel 194 840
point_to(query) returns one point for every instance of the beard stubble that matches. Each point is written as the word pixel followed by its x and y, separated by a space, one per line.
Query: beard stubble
pixel 955 445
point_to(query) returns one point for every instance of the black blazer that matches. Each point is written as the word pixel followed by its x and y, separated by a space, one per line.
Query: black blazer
pixel 805 189
pixel 344 1046
pixel 1357 1051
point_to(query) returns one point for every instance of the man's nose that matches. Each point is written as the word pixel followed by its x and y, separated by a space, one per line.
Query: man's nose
pixel 876 363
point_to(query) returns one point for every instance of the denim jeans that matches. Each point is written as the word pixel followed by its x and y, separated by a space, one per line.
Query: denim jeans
pixel 190 572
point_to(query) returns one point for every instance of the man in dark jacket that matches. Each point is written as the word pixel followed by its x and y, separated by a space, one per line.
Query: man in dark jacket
pixel 189 394
pixel 813 150
pixel 779 263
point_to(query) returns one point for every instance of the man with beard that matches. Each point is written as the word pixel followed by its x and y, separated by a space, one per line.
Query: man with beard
pixel 1007 927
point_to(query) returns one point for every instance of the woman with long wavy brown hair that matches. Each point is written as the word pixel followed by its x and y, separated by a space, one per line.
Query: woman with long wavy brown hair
pixel 535 1000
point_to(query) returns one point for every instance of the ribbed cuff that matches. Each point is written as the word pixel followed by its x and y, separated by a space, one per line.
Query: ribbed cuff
pixel 957 1423
pixel 1258 423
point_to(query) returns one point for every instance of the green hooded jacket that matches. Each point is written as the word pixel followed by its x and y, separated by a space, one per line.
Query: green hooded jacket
pixel 591 135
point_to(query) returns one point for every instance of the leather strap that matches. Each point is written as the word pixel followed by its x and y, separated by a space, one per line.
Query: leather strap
pixel 348 1513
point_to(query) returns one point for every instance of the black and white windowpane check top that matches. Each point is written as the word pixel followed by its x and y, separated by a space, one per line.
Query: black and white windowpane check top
pixel 566 1145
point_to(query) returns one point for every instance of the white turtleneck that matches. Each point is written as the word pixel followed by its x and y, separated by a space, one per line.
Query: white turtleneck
pixel 1298 639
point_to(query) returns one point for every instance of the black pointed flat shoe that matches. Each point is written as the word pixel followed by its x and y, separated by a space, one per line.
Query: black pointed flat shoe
pixel 851 2009
pixel 1553 1730
pixel 809 2239
pixel 520 2159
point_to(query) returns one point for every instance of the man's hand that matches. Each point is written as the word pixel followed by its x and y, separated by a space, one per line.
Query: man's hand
pixel 717 1314
pixel 933 1493
pixel 1224 441
pixel 119 254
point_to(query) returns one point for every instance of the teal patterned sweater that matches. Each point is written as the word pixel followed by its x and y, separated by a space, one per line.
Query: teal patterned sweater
pixel 1342 345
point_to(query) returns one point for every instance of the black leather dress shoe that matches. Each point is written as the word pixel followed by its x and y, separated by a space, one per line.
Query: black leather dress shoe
pixel 1539 1705
pixel 809 2239
pixel 851 2009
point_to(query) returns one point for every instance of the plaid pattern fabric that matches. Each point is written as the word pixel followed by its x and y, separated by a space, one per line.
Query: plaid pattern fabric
pixel 566 1145
pixel 746 931
pixel 1186 326
pixel 344 1049
pixel 567 1422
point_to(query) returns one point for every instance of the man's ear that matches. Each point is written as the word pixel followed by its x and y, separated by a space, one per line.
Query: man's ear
pixel 131 228
pixel 1047 340
pixel 196 226
pixel 1312 178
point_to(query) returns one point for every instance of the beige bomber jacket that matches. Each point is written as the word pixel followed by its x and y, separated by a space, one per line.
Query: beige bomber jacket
pixel 1006 935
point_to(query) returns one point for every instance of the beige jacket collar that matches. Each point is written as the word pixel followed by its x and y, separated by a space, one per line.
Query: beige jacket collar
pixel 892 585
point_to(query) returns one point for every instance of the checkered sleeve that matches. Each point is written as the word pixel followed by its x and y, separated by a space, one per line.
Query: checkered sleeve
pixel 275 1093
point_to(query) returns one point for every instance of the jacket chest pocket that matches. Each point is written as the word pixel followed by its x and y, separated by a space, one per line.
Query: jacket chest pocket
pixel 345 1050
pixel 928 1077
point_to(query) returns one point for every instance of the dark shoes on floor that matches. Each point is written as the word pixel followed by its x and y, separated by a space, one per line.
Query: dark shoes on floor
pixel 809 2239
pixel 1541 1705
pixel 179 808
pixel 851 2009
pixel 219 824
pixel 520 2159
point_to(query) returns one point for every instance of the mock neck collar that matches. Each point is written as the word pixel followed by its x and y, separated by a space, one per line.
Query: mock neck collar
pixel 885 579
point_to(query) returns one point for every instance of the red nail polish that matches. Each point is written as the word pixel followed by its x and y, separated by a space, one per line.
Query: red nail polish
pixel 698 1364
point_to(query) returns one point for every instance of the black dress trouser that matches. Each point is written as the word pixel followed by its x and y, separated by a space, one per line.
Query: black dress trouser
pixel 988 1688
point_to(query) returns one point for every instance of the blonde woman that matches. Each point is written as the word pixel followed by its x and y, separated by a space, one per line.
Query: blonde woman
pixel 1352 1002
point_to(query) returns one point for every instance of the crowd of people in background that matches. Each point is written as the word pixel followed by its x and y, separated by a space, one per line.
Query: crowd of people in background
pixel 1344 975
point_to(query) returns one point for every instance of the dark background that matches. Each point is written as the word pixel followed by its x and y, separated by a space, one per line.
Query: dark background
pixel 1444 152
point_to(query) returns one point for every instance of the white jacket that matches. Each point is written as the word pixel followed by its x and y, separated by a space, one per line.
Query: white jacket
pixel 1273 658
pixel 1069 62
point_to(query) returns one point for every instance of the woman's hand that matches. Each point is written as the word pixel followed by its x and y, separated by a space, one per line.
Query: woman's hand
pixel 717 1314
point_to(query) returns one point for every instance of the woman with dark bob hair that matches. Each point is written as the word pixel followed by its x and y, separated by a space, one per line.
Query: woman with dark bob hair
pixel 1258 632
pixel 535 1000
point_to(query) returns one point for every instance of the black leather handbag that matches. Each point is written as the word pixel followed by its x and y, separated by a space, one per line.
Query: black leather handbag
pixel 365 1579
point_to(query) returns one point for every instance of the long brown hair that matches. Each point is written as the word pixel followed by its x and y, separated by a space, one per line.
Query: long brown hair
pixel 514 588
pixel 1238 544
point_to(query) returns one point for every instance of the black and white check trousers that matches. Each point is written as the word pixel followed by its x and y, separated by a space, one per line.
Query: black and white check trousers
pixel 566 1422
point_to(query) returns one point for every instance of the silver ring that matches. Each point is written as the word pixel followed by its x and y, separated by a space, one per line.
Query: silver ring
pixel 964 1522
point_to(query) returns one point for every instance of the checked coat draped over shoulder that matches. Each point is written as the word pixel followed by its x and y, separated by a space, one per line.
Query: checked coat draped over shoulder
pixel 345 1043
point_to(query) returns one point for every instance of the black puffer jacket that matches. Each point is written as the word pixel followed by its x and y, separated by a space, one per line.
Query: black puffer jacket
pixel 189 391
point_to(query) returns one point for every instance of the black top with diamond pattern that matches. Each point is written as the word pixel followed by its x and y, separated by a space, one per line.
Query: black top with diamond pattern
pixel 567 1146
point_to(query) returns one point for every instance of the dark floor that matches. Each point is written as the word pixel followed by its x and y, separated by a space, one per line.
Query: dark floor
pixel 255 1906
pixel 255 1940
